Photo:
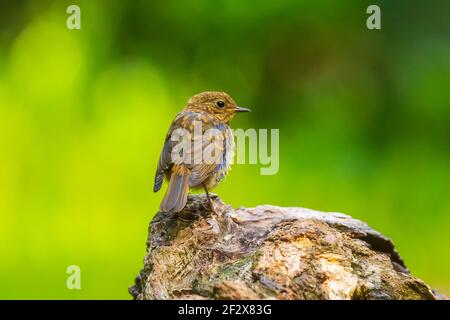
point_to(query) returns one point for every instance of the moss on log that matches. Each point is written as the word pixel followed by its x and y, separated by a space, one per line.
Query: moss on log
pixel 270 252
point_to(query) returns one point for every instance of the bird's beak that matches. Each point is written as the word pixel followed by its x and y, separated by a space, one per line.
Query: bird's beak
pixel 239 109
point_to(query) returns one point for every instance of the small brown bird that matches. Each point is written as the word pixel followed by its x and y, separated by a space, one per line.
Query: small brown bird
pixel 203 124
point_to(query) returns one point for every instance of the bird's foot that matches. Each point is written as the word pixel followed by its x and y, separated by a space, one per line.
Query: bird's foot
pixel 209 207
pixel 212 209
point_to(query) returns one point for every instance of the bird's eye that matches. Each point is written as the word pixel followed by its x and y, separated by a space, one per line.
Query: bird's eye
pixel 220 104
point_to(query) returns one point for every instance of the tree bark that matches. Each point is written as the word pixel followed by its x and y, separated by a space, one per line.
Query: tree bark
pixel 270 252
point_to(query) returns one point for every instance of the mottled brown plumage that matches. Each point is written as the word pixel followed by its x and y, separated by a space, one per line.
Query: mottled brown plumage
pixel 213 110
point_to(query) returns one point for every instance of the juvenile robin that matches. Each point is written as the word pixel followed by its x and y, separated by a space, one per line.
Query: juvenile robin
pixel 198 150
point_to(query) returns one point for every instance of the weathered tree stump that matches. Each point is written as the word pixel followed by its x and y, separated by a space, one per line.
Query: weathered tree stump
pixel 270 252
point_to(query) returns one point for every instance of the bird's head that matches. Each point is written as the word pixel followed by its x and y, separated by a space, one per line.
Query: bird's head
pixel 218 104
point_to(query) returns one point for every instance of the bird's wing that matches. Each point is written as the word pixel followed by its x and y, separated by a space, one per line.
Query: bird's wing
pixel 184 120
pixel 164 164
pixel 200 167
pixel 214 155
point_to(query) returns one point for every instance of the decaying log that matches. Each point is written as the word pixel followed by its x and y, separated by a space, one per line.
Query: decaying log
pixel 270 252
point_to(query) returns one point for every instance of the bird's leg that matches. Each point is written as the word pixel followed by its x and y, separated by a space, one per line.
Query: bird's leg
pixel 209 198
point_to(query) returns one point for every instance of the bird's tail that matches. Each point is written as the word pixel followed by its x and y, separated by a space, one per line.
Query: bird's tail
pixel 177 192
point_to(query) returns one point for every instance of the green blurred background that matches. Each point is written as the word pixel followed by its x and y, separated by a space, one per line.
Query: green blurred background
pixel 364 119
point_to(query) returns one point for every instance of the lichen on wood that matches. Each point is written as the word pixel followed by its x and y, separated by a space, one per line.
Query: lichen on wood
pixel 270 252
